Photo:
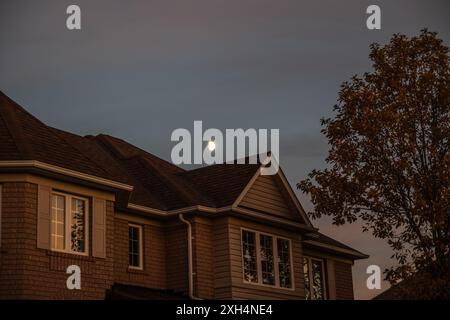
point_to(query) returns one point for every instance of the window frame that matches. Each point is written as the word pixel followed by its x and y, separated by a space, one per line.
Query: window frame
pixel 324 279
pixel 67 218
pixel 141 246
pixel 275 260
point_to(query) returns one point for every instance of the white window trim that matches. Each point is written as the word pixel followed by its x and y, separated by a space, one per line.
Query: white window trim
pixel 324 280
pixel 275 255
pixel 68 217
pixel 141 247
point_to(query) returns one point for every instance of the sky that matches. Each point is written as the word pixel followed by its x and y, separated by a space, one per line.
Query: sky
pixel 140 69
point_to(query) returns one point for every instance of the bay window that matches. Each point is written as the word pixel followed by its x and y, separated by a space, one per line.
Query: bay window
pixel 266 259
pixel 69 223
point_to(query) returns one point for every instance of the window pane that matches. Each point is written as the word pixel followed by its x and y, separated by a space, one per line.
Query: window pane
pixel 317 280
pixel 266 254
pixel 306 275
pixel 134 247
pixel 249 256
pixel 57 222
pixel 284 263
pixel 78 226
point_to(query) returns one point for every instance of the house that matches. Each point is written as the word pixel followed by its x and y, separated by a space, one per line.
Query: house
pixel 140 227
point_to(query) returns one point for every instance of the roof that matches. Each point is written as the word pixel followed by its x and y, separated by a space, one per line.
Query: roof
pixel 158 183
pixel 223 183
pixel 322 242
pixel 155 183
pixel 26 138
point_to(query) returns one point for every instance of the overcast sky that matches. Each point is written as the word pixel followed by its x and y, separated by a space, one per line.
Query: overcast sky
pixel 140 69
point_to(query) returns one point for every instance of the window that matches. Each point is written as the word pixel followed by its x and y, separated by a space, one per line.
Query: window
pixel 249 250
pixel 284 263
pixel 267 267
pixel 266 259
pixel 314 273
pixel 69 224
pixel 135 246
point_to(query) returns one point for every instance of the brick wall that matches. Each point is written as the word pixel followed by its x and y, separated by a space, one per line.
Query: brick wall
pixel 30 273
pixel 344 282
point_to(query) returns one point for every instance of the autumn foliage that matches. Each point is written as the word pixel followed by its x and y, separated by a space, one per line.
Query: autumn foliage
pixel 389 157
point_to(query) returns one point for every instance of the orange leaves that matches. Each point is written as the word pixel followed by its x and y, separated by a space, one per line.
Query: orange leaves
pixel 389 162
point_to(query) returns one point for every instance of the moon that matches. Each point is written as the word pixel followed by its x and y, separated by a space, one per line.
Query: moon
pixel 211 146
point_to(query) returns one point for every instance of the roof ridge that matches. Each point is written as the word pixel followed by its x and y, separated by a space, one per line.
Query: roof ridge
pixel 107 138
pixel 234 162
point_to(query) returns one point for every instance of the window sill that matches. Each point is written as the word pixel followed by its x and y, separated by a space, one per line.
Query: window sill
pixel 61 254
pixel 256 285
pixel 135 270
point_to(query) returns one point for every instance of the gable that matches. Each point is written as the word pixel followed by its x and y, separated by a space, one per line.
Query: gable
pixel 267 194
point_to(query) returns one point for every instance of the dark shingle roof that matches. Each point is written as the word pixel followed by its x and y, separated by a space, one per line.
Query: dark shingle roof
pixel 325 240
pixel 223 183
pixel 161 179
pixel 26 138
pixel 157 183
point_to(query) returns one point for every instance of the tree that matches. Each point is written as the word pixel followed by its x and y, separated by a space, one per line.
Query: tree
pixel 389 157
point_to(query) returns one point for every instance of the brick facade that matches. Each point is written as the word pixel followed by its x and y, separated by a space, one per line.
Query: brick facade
pixel 123 183
pixel 27 272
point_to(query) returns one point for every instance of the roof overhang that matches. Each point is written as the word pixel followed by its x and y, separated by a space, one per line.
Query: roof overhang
pixel 354 254
pixel 231 210
pixel 56 170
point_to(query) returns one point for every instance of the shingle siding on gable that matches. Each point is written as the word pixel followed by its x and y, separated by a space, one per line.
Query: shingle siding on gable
pixel 265 196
